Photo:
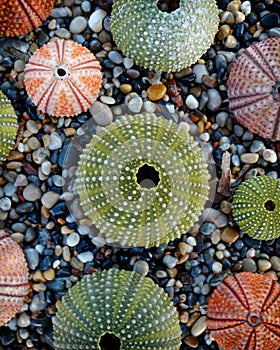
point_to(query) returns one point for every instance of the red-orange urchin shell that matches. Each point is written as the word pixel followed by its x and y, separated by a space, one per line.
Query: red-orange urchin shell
pixel 254 88
pixel 13 278
pixel 63 78
pixel 244 313
pixel 19 17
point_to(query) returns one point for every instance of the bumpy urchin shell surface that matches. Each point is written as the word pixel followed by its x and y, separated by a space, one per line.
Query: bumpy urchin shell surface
pixel 110 193
pixel 164 41
pixel 8 127
pixel 254 88
pixel 243 313
pixel 19 17
pixel 63 78
pixel 256 207
pixel 13 278
pixel 131 307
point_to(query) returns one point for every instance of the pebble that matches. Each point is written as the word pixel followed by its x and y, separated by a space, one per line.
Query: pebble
pixel 23 320
pixel 49 199
pixel 264 265
pixel 85 257
pixel 107 100
pixel 170 261
pixel 191 102
pixel 101 113
pixel 216 217
pixel 56 141
pixel 73 239
pixel 32 258
pixel 115 57
pixel 141 267
pixel 231 42
pixel 269 155
pixel 199 326
pixel 215 100
pixel 32 193
pixel 249 158
pixel 156 92
pixel 78 25
pixel 191 341
pixel 249 265
pixel 59 12
pixel 207 228
pixel 135 104
pixel 96 19
pixel 217 267
pixel 199 70
pixel 275 263
pixel 229 235
pixel 63 33
pixel 125 88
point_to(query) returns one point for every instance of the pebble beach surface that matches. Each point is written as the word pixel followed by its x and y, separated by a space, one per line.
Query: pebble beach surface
pixel 59 250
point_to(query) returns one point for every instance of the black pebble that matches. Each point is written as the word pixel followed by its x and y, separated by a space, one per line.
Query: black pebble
pixel 271 20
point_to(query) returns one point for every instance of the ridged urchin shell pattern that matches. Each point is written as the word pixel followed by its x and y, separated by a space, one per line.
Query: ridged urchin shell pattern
pixel 132 307
pixel 254 88
pixel 19 17
pixel 164 41
pixel 8 127
pixel 13 278
pixel 256 207
pixel 243 313
pixel 63 78
pixel 111 197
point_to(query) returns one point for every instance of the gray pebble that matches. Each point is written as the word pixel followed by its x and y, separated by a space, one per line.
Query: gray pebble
pixel 56 141
pixel 270 156
pixel 101 113
pixel 274 32
pixel 32 258
pixel 235 160
pixel 58 12
pixel 85 6
pixel 215 99
pixel 32 193
pixel 63 33
pixel 191 102
pixel 115 57
pixel 207 228
pixel 5 204
pixel 249 265
pixel 238 130
pixel 96 19
pixel 141 267
pixel 49 199
pixel 78 25
pixel 221 118
pixel 256 146
pixel 199 70
pixel 170 261
pixel 135 104
pixel 249 158
pixel 85 257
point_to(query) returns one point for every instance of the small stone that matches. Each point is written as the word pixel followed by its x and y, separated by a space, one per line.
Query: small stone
pixel 215 99
pixel 217 267
pixel 191 102
pixel 199 70
pixel 63 33
pixel 23 320
pixel 56 141
pixel 115 57
pixel 256 146
pixel 246 7
pixel 101 113
pixel 5 204
pixel 170 261
pixel 207 228
pixel 199 326
pixel 78 25
pixel 184 248
pixel 107 100
pixel 231 42
pixel 184 317
pixel 46 168
pixel 239 17
pixel 126 88
pixel 270 20
pixel 141 267
pixel 85 257
pixel 73 239
pixel 229 235
pixel 275 262
pixel 135 104
pixel 156 92
pixel 59 12
pixel 49 199
pixel 32 193
pixel 264 265
pixel 49 274
pixel 223 32
pixel 32 258
pixel 96 19
pixel 249 158
pixel 249 265
pixel 270 156
pixel 216 217
pixel 191 341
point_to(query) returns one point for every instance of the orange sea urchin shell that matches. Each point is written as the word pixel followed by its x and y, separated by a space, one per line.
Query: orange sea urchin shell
pixel 244 313
pixel 63 78
pixel 13 278
pixel 19 17
pixel 254 88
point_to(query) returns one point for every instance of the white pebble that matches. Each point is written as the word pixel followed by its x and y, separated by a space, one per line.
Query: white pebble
pixel 96 19
pixel 191 102
pixel 73 239
pixel 270 156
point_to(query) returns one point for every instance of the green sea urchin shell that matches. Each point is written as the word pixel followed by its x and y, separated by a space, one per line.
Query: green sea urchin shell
pixel 123 303
pixel 109 189
pixel 256 207
pixel 164 41
pixel 8 127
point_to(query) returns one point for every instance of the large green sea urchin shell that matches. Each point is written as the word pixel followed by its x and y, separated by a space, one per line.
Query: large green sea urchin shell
pixel 8 127
pixel 122 303
pixel 164 41
pixel 117 203
pixel 256 207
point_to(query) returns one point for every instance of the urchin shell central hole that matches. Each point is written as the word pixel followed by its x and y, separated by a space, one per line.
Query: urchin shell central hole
pixel 254 320
pixel 147 176
pixel 110 341
pixel 61 72
pixel 168 5
pixel 269 205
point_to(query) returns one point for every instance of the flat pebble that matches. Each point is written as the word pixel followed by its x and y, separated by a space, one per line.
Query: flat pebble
pixel 32 193
pixel 249 265
pixel 85 257
pixel 199 326
pixel 215 99
pixel 32 258
pixel 275 262
pixel 191 102
pixel 49 199
pixel 23 320
pixel 199 70
pixel 73 239
pixel 269 155
pixel 216 217
pixel 170 261
pixel 135 104
pixel 217 267
pixel 101 113
pixel 78 25
pixel 141 267
pixel 249 158
pixel 264 265
pixel 96 19
pixel 229 235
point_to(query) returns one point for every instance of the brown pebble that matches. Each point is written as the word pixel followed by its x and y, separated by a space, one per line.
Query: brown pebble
pixel 49 274
pixel 126 88
pixel 191 341
pixel 229 235
pixel 184 317
pixel 223 32
pixel 15 156
pixel 70 132
pixel 200 126
pixel 231 42
pixel 38 276
pixel 209 81
pixel 156 92
pixel 14 165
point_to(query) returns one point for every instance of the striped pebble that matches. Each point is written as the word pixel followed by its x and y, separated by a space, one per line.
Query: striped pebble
pixel 13 278
pixel 63 78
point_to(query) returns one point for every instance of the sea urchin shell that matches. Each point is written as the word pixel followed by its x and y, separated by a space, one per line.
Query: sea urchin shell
pixel 8 127
pixel 254 88
pixel 13 278
pixel 256 207
pixel 63 78
pixel 118 305
pixel 142 180
pixel 19 17
pixel 164 41
pixel 244 313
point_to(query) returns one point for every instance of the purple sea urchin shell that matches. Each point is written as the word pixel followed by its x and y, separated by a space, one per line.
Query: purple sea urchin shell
pixel 254 88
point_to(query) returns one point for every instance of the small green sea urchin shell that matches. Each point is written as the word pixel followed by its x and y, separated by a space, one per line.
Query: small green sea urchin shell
pixel 164 41
pixel 8 127
pixel 256 207
pixel 121 160
pixel 116 303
